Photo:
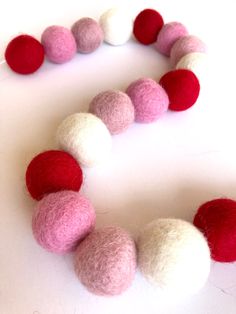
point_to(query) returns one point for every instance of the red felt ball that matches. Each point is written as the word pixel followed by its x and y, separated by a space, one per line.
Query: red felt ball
pixel 147 26
pixel 24 54
pixel 182 87
pixel 217 220
pixel 53 171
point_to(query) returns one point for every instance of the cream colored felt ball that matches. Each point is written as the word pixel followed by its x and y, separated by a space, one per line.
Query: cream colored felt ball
pixel 174 256
pixel 85 137
pixel 194 61
pixel 117 26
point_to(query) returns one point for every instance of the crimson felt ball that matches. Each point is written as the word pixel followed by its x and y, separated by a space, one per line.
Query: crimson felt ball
pixel 147 26
pixel 217 220
pixel 53 171
pixel 182 87
pixel 24 54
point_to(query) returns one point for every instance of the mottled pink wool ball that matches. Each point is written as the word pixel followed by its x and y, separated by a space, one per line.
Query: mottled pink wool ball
pixel 88 35
pixel 61 220
pixel 105 261
pixel 185 45
pixel 115 109
pixel 59 44
pixel 149 99
pixel 168 35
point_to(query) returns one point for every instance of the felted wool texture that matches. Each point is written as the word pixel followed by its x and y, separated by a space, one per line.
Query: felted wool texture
pixel 184 46
pixel 217 220
pixel 174 256
pixel 115 109
pixel 105 261
pixel 88 35
pixel 59 44
pixel 85 137
pixel 182 87
pixel 168 35
pixel 61 220
pixel 24 54
pixel 117 26
pixel 53 171
pixel 195 62
pixel 149 99
pixel 147 25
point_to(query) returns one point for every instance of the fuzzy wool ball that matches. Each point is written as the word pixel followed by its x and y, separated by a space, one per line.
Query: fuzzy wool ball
pixel 105 261
pixel 174 256
pixel 61 220
pixel 115 109
pixel 85 137
pixel 88 35
pixel 184 46
pixel 59 44
pixel 168 35
pixel 147 26
pixel 24 54
pixel 195 62
pixel 149 99
pixel 217 220
pixel 53 171
pixel 117 26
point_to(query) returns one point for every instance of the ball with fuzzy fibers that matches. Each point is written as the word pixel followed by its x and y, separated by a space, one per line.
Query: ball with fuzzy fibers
pixel 217 220
pixel 86 138
pixel 174 256
pixel 105 261
pixel 195 62
pixel 61 220
pixel 53 171
pixel 149 99
pixel 115 109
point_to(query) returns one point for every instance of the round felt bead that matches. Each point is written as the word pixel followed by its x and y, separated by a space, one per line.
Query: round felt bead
pixel 53 171
pixel 117 26
pixel 147 25
pixel 24 54
pixel 149 99
pixel 174 256
pixel 217 220
pixel 185 45
pixel 115 109
pixel 61 220
pixel 88 35
pixel 105 261
pixel 168 35
pixel 182 87
pixel 85 137
pixel 59 44
pixel 195 62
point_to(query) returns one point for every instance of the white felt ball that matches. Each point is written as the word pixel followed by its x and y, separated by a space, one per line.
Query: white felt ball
pixel 117 26
pixel 174 256
pixel 194 61
pixel 85 137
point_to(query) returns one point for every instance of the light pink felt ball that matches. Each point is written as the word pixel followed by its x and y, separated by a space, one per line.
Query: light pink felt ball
pixel 115 109
pixel 168 35
pixel 88 35
pixel 185 45
pixel 59 44
pixel 149 99
pixel 61 220
pixel 105 261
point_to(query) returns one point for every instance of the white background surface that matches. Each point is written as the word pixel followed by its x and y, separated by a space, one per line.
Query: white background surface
pixel 159 170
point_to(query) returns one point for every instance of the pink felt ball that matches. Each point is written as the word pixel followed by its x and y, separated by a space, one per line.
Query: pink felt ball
pixel 59 44
pixel 61 220
pixel 149 99
pixel 115 109
pixel 88 35
pixel 168 35
pixel 105 261
pixel 185 45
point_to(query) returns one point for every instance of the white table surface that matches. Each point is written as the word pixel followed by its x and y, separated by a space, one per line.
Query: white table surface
pixel 163 169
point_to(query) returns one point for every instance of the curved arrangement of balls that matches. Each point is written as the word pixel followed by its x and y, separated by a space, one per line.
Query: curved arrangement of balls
pixel 173 254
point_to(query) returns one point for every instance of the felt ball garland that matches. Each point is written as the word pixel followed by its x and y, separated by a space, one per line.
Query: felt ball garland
pixel 64 220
